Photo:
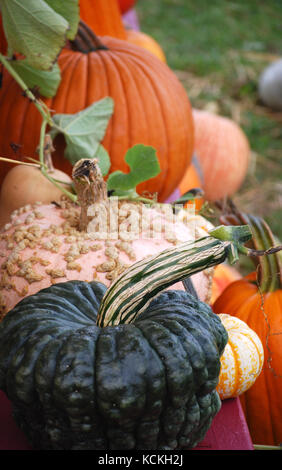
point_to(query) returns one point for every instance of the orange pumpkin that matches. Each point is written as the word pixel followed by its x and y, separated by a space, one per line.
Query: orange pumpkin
pixel 150 107
pixel 257 300
pixel 223 151
pixel 147 42
pixel 104 17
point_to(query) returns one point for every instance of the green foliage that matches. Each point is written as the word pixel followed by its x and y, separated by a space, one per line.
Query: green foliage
pixel 83 132
pixel 143 163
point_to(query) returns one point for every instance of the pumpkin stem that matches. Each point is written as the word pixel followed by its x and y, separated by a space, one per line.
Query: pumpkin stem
pixel 134 289
pixel 90 188
pixel 86 40
pixel 265 257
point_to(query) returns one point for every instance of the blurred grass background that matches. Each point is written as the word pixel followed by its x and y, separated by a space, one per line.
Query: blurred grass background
pixel 218 50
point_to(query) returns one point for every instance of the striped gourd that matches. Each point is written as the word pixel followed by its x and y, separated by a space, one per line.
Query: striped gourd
pixel 134 289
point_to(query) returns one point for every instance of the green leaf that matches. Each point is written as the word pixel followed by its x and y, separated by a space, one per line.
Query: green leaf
pixel 144 165
pixel 46 81
pixel 34 29
pixel 84 131
pixel 69 9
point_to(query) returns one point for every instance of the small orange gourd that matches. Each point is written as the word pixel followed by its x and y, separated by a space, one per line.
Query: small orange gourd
pixel 242 359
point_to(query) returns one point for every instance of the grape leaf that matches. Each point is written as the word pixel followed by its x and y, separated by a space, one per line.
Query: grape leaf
pixel 144 165
pixel 46 81
pixel 84 131
pixel 33 29
pixel 69 9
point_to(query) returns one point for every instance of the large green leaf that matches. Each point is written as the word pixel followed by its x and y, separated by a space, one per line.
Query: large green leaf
pixel 34 29
pixel 144 165
pixel 84 131
pixel 45 81
pixel 69 9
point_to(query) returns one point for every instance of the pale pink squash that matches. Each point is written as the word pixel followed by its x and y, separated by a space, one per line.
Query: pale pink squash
pixel 45 244
pixel 223 151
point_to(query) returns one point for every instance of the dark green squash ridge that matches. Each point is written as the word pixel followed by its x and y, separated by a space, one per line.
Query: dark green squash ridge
pixel 144 385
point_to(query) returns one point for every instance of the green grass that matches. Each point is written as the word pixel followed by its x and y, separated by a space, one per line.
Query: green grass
pixel 218 49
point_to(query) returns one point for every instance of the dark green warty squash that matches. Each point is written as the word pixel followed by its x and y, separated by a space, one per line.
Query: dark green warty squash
pixel 79 380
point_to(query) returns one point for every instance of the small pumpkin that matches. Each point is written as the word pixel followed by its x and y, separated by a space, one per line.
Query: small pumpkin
pixel 256 299
pixel 223 151
pixel 242 359
pixel 151 107
pixel 48 243
pixel 128 367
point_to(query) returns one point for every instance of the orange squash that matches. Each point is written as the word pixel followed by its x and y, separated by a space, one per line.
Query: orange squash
pixel 257 300
pixel 150 107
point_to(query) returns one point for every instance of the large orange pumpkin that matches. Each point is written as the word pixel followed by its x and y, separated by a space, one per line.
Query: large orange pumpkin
pixel 223 151
pixel 258 302
pixel 150 107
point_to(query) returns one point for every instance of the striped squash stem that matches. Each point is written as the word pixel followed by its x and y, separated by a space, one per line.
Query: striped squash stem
pixel 134 289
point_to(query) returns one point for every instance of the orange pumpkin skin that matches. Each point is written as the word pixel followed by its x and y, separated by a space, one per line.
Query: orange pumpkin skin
pixel 150 107
pixel 262 403
pixel 103 17
pixel 223 276
pixel 223 152
pixel 147 42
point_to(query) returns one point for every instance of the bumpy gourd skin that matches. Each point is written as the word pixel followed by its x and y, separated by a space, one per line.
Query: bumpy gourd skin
pixel 147 385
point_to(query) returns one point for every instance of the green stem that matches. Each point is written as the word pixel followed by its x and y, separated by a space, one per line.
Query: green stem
pixel 134 289
pixel 73 197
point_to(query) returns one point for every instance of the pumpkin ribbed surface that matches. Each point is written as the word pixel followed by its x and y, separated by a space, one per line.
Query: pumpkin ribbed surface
pixel 145 385
pixel 151 107
pixel 43 245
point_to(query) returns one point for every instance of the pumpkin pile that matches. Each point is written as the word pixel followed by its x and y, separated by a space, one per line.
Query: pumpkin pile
pixel 111 337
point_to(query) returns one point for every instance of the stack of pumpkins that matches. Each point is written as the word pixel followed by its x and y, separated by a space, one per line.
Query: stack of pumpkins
pixel 152 108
